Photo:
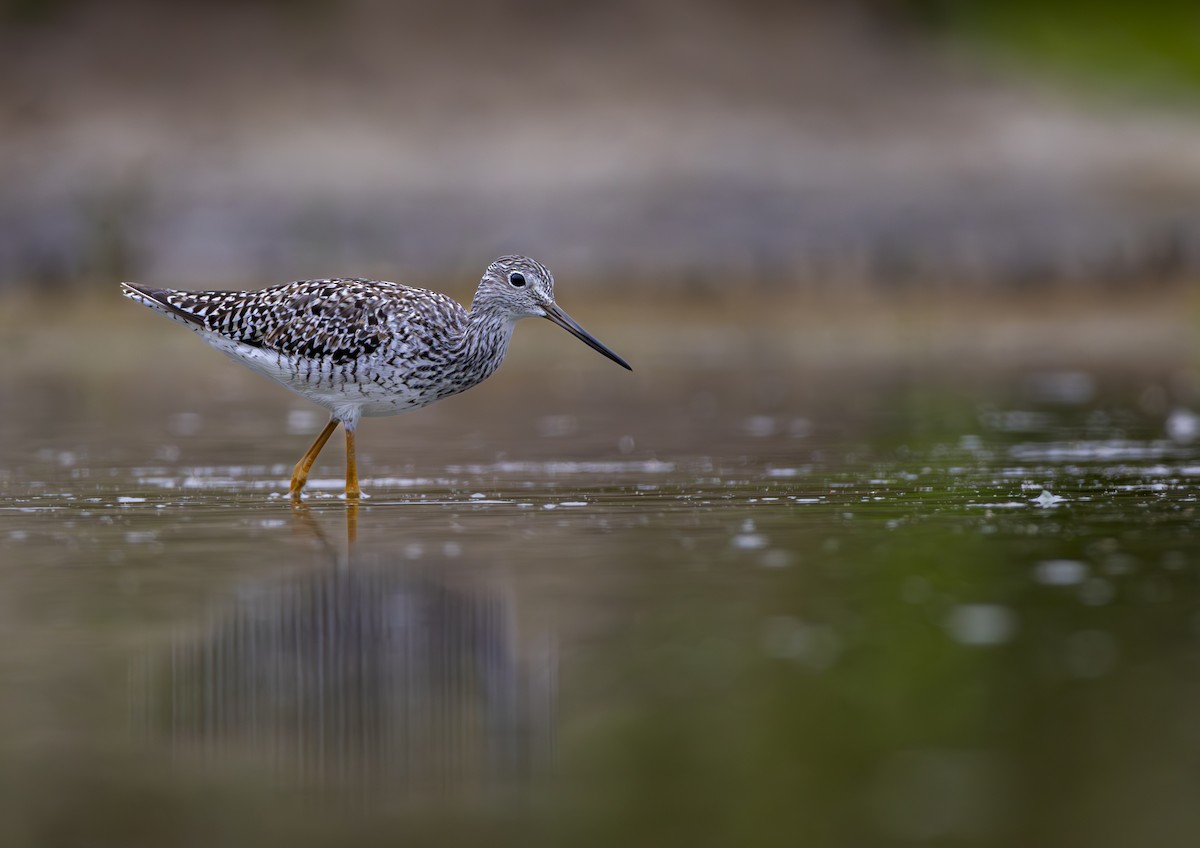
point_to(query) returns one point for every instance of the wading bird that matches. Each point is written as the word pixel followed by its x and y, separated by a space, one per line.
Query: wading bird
pixel 368 347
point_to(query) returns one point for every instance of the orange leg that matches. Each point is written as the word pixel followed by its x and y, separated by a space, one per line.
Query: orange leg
pixel 352 489
pixel 300 474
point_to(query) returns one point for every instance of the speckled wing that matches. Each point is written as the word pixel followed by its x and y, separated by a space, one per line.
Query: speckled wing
pixel 334 320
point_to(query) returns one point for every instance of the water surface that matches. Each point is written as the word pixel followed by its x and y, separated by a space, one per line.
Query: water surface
pixel 744 596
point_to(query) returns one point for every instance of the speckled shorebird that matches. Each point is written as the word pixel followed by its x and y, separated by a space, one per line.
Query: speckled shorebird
pixel 368 347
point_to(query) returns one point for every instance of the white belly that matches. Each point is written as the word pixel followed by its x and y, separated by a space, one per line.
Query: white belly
pixel 347 391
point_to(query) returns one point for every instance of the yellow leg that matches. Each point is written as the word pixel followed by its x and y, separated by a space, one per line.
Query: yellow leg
pixel 300 474
pixel 352 489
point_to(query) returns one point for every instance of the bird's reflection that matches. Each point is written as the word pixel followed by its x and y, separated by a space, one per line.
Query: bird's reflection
pixel 366 674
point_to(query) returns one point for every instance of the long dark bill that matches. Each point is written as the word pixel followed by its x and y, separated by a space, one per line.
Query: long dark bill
pixel 562 319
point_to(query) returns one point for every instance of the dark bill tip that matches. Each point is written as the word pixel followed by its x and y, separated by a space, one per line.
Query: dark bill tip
pixel 562 319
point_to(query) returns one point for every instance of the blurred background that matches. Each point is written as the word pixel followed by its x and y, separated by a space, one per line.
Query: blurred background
pixel 889 539
pixel 829 142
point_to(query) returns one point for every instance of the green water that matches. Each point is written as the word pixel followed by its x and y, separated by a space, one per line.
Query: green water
pixel 706 606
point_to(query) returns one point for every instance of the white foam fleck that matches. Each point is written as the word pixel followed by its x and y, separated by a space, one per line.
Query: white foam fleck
pixel 1048 499
pixel 1092 451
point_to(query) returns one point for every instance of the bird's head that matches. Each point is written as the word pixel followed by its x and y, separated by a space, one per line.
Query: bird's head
pixel 516 287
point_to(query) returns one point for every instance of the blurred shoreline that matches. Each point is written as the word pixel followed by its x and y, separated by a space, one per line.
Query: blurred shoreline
pixel 808 144
pixel 822 331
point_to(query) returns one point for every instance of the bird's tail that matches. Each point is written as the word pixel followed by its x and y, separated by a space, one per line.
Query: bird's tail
pixel 160 301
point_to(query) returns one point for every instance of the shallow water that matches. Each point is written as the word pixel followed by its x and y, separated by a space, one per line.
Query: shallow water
pixel 749 600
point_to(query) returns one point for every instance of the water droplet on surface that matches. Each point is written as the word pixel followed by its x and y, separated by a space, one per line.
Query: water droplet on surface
pixel 1060 572
pixel 1183 426
pixel 749 541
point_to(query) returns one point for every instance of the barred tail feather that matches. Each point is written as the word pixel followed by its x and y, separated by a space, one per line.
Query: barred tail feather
pixel 158 300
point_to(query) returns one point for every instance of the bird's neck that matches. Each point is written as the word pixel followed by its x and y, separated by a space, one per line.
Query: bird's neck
pixel 484 341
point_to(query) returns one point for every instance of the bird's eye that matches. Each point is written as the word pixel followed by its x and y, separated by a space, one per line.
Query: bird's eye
pixel 516 279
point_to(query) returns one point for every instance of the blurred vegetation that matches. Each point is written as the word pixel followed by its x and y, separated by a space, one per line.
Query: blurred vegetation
pixel 1155 42
pixel 818 144
pixel 1149 43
